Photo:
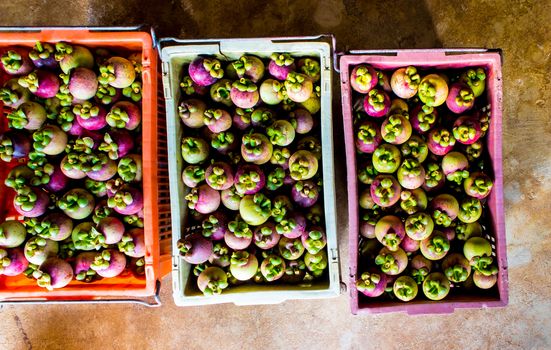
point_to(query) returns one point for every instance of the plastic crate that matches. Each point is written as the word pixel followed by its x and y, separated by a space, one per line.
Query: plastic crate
pixel 437 59
pixel 155 169
pixel 174 56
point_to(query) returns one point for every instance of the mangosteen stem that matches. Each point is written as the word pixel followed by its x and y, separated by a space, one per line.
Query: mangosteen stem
pixel 377 100
pixel 367 281
pixel 363 77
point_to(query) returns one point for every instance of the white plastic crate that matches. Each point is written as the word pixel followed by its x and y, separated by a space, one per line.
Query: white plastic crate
pixel 175 54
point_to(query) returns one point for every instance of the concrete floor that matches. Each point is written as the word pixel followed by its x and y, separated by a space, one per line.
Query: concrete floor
pixel 521 28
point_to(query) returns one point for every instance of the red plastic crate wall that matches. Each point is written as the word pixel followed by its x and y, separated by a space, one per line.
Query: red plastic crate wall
pixel 125 285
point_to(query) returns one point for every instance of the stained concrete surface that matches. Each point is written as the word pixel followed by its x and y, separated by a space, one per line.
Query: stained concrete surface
pixel 521 28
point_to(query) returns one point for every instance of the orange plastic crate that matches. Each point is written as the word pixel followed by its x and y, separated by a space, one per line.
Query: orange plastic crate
pixel 155 174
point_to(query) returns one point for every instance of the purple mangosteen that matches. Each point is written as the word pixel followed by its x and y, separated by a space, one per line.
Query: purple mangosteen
pixel 272 267
pixel 405 82
pixel 191 112
pixel 305 193
pixel 12 261
pixel 189 87
pixel 420 268
pixel 220 92
pixel 217 120
pixel 405 288
pixel 314 240
pixel 460 98
pixel 310 67
pixel 292 226
pixel 368 136
pixel 107 94
pixel 50 140
pixel 219 176
pixel 367 173
pixel 440 141
pixel 423 118
pixel 19 177
pixel 456 267
pixel 416 148
pixel 302 121
pixel 303 165
pixel 14 144
pixel 117 143
pixel 82 267
pixel 368 222
pixel 212 281
pixel 372 284
pixel 127 201
pixel 256 148
pixel 243 265
pixel 77 203
pixel 205 71
pixel 130 168
pixel 255 209
pixel 239 235
pixel 409 245
pixel 42 83
pixel 265 236
pixel 244 93
pixel 38 249
pixel 117 72
pixel 436 246
pixel 275 179
pixel 467 130
pixel 281 133
pixel 389 230
pixel 272 92
pixel 90 116
pixel 124 115
pixel 470 210
pixel 316 263
pixel 392 262
pixel 249 179
pixel 290 248
pixel 478 185
pixel 72 57
pixel 55 226
pixel 281 206
pixel 454 166
pixel 434 177
pixel 81 82
pixel 31 202
pixel 445 209
pixel 250 67
pixel 109 263
pixel 299 87
pixel 242 118
pixel 111 230
pixel 132 243
pixel 204 199
pixel 386 158
pixel 42 56
pixel 215 226
pixel 475 79
pixel 411 174
pixel 230 198
pixel 193 175
pixel 281 64
pixel 16 61
pixel 86 237
pixel 224 142
pixel 436 286
pixel 376 103
pixel 29 115
pixel 53 273
pixel 194 150
pixel 385 190
pixel 413 201
pixel 363 78
pixel 221 254
pixel 433 90
pixel 262 117
pixel 12 234
pixel 13 95
pixel 419 226
pixel 483 281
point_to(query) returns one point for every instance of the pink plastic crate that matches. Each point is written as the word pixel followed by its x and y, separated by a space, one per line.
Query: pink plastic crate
pixel 435 59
